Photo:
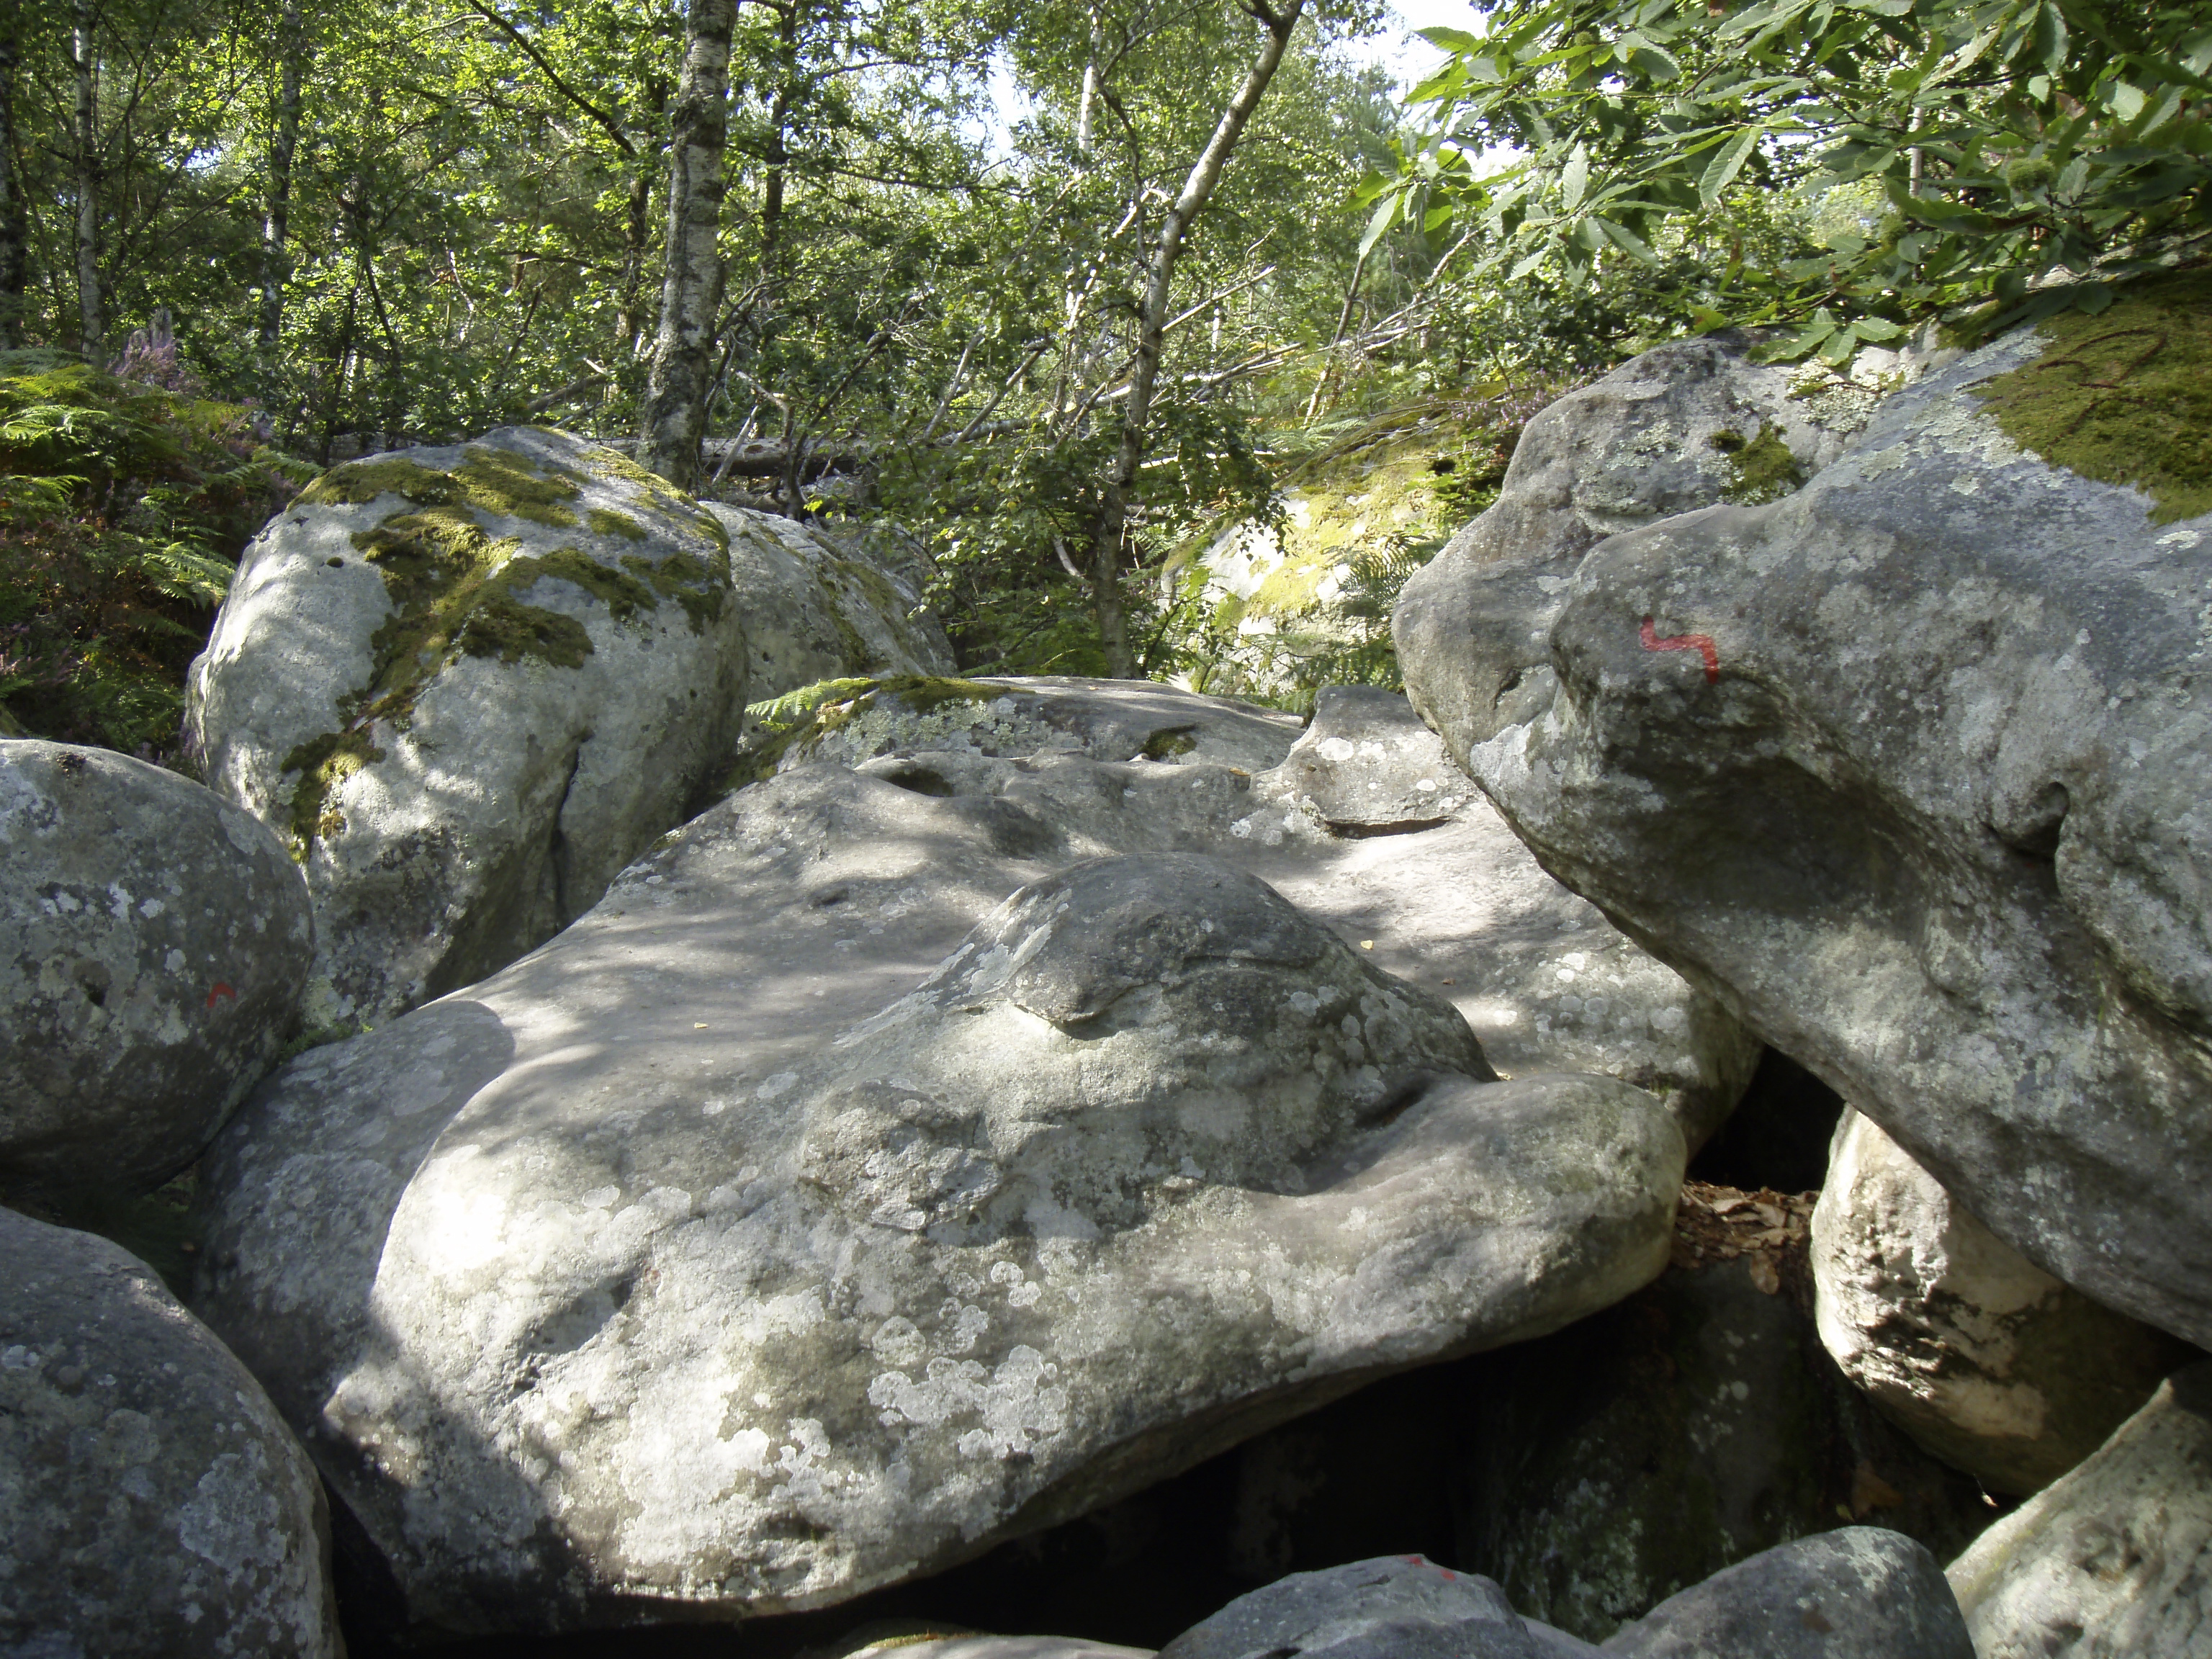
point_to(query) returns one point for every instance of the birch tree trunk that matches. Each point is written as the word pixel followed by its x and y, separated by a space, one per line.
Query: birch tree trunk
pixel 14 220
pixel 284 143
pixel 1151 328
pixel 692 287
pixel 92 327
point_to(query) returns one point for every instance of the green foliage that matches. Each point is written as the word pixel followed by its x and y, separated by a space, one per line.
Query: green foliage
pixel 123 508
pixel 1989 143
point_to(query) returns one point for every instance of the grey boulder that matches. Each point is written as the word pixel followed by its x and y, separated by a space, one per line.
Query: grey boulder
pixel 1686 425
pixel 2114 1557
pixel 153 939
pixel 438 676
pixel 1397 1607
pixel 1908 769
pixel 1858 1592
pixel 155 1503
pixel 823 604
pixel 1981 1355
pixel 699 1259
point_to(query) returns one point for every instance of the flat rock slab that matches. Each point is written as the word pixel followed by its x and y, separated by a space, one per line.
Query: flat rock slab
pixel 1909 769
pixel 700 1258
pixel 157 1507
pixel 153 939
pixel 1858 1593
pixel 2113 1558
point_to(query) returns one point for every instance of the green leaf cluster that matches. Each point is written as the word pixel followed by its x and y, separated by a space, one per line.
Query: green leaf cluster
pixel 1986 146
pixel 123 507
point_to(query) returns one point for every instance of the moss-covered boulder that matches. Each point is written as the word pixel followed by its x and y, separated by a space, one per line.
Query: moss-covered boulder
pixel 465 685
pixel 1278 609
pixel 824 603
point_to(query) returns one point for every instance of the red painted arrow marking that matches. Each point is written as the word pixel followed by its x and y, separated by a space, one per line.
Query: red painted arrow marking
pixel 1701 643
pixel 222 989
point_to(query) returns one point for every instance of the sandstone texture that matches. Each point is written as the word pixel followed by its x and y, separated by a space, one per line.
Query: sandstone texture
pixel 155 1505
pixel 153 939
pixel 1908 769
pixel 1394 1607
pixel 822 604
pixel 1687 425
pixel 467 685
pixel 1859 1593
pixel 1981 1355
pixel 700 1260
pixel 2113 1557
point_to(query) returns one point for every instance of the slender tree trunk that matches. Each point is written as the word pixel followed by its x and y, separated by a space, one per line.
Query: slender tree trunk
pixel 284 142
pixel 1152 329
pixel 92 328
pixel 15 223
pixel 691 290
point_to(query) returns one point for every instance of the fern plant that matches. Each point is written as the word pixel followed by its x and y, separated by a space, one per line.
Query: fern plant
pixel 123 508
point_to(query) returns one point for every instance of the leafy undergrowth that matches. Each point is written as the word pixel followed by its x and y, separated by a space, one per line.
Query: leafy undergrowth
pixel 125 502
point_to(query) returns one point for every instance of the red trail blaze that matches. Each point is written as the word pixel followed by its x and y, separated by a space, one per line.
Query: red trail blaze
pixel 222 989
pixel 1701 643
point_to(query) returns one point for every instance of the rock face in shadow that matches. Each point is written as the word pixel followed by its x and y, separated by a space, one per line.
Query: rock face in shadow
pixel 155 1504
pixel 1978 1354
pixel 2113 1557
pixel 1859 1593
pixel 153 939
pixel 822 605
pixel 1695 1425
pixel 1908 769
pixel 701 1261
pixel 439 676
pixel 1687 425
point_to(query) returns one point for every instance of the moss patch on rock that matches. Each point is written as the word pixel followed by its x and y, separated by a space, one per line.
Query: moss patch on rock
pixel 702 588
pixel 1762 469
pixel 801 720
pixel 603 523
pixel 495 481
pixel 2123 397
pixel 322 763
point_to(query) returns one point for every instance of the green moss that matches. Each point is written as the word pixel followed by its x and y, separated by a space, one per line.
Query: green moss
pixel 603 523
pixel 700 588
pixel 1168 743
pixel 322 763
pixel 1764 469
pixel 2124 397
pixel 612 464
pixel 495 481
pixel 1288 590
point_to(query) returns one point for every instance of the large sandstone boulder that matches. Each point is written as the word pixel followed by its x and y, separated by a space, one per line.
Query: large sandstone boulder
pixel 824 604
pixel 153 939
pixel 467 684
pixel 1689 424
pixel 1909 767
pixel 699 1259
pixel 2113 1558
pixel 1858 1592
pixel 155 1504
pixel 1978 1354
